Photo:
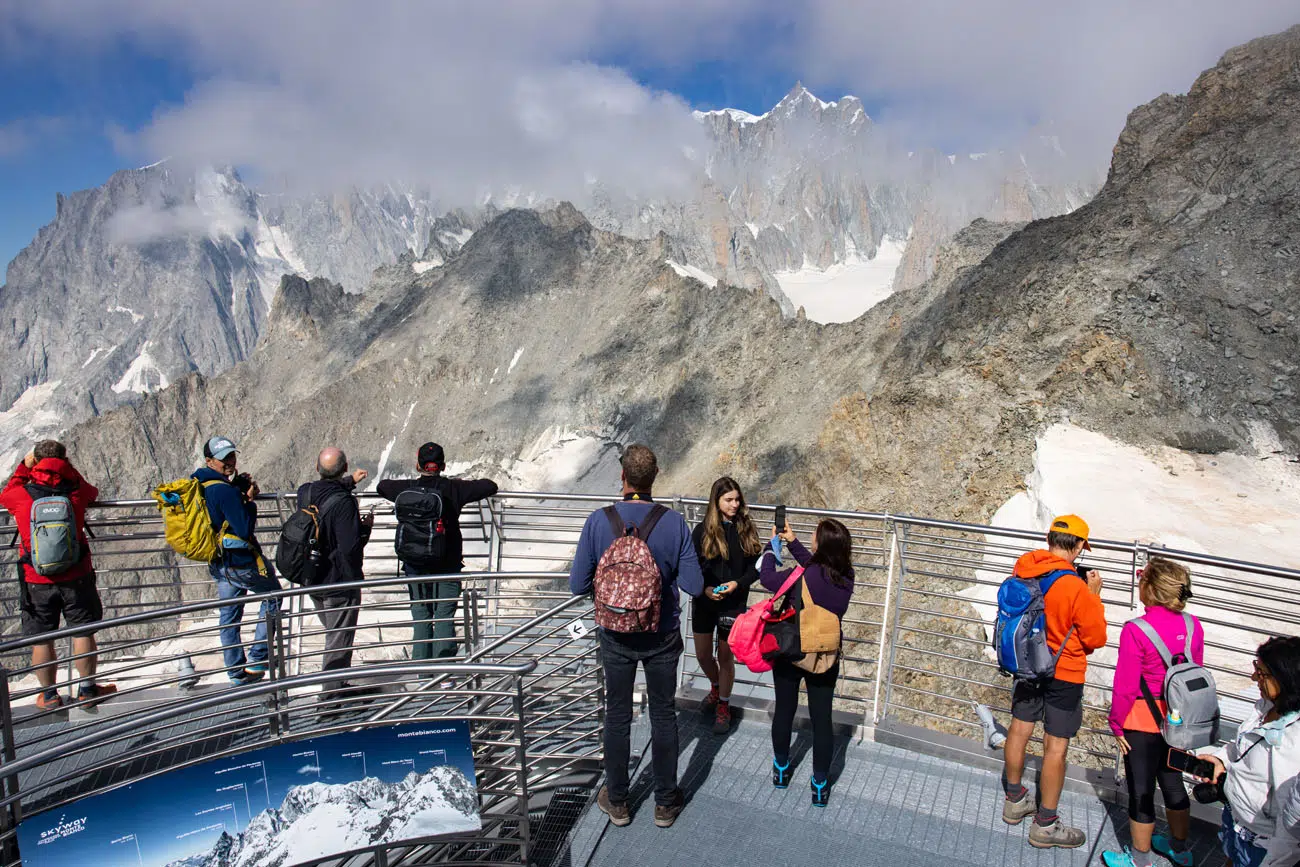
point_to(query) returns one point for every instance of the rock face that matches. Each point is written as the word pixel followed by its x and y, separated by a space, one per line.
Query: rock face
pixel 165 271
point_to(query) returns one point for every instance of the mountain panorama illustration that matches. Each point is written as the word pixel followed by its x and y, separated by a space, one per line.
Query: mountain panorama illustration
pixel 318 819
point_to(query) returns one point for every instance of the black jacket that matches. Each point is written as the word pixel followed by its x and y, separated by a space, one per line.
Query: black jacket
pixel 456 494
pixel 736 566
pixel 343 536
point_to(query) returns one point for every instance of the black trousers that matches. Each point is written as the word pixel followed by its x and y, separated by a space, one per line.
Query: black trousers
pixel 821 692
pixel 619 655
pixel 1147 763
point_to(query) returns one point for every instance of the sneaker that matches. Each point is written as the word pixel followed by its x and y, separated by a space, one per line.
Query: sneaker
pixel 1057 834
pixel 243 678
pixel 821 792
pixel 710 700
pixel 722 718
pixel 257 668
pixel 665 816
pixel 49 700
pixel 1163 845
pixel 780 774
pixel 1014 812
pixel 1118 859
pixel 95 691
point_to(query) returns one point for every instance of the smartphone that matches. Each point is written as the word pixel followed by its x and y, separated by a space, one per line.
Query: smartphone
pixel 1181 760
pixel 779 521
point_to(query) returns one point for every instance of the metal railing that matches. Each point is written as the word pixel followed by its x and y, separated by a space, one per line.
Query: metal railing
pixel 916 635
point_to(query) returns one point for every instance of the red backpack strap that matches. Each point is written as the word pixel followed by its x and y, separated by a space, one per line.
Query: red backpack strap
pixel 615 522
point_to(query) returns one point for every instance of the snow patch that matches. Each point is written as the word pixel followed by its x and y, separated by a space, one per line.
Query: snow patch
pixel 845 290
pixel 388 449
pixel 753 229
pixel 135 317
pixel 426 265
pixel 27 420
pixel 1244 507
pixel 691 271
pixel 143 375
pixel 95 354
pixel 740 117
pixel 518 354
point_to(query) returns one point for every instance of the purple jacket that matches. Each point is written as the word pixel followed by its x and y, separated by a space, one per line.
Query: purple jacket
pixel 820 588
pixel 1138 659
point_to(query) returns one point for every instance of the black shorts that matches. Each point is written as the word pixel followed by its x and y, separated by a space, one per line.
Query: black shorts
pixel 707 617
pixel 78 601
pixel 1058 704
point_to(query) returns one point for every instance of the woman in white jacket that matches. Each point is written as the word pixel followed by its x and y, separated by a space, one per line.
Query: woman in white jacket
pixel 1258 769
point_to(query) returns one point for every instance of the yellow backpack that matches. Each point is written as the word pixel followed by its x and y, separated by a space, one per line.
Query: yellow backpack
pixel 186 522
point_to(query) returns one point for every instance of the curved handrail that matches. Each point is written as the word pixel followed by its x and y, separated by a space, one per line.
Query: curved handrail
pixel 154 614
pixel 176 709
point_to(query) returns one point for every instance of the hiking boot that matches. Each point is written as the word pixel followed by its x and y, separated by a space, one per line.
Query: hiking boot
pixel 95 691
pixel 780 774
pixel 722 718
pixel 1014 812
pixel 1057 835
pixel 821 792
pixel 1163 845
pixel 665 816
pixel 710 700
pixel 49 700
pixel 618 813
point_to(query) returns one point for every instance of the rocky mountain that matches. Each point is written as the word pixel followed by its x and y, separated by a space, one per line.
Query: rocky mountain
pixel 165 271
pixel 1162 311
pixel 319 819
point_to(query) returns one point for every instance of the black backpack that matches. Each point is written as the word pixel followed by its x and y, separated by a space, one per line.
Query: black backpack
pixel 298 556
pixel 421 540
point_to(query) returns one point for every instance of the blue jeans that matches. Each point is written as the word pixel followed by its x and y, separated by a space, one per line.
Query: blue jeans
pixel 1240 848
pixel 233 582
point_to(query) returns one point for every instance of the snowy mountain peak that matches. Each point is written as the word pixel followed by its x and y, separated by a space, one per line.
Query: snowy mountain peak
pixel 320 819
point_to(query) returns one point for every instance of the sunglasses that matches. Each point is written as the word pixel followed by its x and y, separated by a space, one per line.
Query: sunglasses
pixel 1260 670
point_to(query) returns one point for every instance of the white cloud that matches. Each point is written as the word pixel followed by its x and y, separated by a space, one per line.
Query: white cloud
pixel 21 135
pixel 499 94
pixel 309 769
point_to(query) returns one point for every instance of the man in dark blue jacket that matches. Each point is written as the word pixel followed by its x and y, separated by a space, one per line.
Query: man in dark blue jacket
pixel 239 568
pixel 674 553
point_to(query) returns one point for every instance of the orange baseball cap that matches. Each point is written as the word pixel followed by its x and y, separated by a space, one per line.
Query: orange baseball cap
pixel 1074 525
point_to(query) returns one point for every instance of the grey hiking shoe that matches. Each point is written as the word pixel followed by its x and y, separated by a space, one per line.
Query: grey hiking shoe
pixel 618 813
pixel 1014 812
pixel 1056 834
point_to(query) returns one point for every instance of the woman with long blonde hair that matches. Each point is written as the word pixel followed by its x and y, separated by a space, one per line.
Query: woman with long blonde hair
pixel 728 547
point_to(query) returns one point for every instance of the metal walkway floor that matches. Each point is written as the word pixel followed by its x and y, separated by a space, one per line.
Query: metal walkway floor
pixel 889 808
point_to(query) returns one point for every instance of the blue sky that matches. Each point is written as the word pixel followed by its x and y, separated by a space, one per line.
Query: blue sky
pixel 541 95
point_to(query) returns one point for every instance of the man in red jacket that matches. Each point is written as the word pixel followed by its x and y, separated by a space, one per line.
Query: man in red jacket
pixel 56 588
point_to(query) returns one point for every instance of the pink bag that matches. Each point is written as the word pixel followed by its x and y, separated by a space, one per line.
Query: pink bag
pixel 746 638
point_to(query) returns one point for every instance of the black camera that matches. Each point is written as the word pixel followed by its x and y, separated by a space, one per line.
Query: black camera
pixel 242 482
pixel 1210 793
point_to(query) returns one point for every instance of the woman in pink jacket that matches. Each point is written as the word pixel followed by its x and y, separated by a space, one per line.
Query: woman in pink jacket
pixel 1164 588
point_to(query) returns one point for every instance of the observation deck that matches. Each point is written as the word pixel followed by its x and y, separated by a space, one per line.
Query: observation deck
pixel 914 781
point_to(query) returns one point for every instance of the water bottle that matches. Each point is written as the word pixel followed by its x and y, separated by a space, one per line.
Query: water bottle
pixel 1175 717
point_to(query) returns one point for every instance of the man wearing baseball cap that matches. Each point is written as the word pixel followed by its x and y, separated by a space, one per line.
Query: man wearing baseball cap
pixel 1075 616
pixel 428 507
pixel 239 568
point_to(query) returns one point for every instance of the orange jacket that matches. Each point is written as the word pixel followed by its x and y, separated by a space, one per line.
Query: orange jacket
pixel 1068 603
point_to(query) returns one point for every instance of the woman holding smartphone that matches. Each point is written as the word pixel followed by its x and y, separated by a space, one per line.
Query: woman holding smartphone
pixel 1164 588
pixel 727 546
pixel 1255 774
pixel 828 575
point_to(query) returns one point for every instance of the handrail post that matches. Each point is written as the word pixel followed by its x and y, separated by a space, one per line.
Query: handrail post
pixel 522 793
pixel 891 539
pixel 12 814
pixel 899 542
pixel 277 720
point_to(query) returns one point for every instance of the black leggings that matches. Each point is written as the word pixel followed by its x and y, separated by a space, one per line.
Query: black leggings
pixel 1146 762
pixel 821 690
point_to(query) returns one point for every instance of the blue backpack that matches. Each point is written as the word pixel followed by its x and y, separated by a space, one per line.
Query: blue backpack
pixel 1020 632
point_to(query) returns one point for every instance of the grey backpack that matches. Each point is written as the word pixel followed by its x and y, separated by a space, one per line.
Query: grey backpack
pixel 1189 692
pixel 55 547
